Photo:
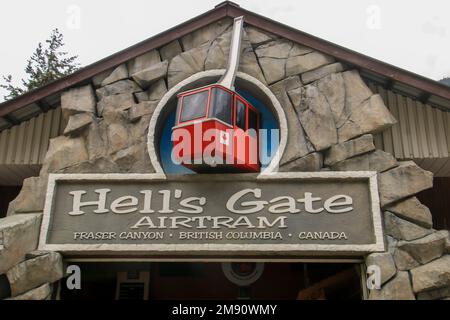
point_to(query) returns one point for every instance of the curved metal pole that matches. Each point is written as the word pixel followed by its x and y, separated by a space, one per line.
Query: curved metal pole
pixel 235 52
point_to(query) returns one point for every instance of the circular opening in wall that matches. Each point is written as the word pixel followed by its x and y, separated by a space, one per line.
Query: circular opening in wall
pixel 243 273
pixel 254 92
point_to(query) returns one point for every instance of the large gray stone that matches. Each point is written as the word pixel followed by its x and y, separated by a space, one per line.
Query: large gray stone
pixel 297 144
pixel 218 53
pixel 381 161
pixel 134 159
pixel 115 115
pixel 303 63
pixel 157 90
pixel 205 34
pixel 278 49
pixel 141 96
pixel 143 61
pixel 402 229
pixel 35 254
pixel 258 37
pixel 371 116
pixel 316 118
pixel 119 73
pixel 273 69
pixel 97 140
pixel 296 96
pixel 356 91
pixel 32 196
pixel 434 275
pixel 154 93
pixel 404 261
pixel 311 162
pixel 434 294
pixel 378 161
pixel 97 165
pixel 427 248
pixel 78 100
pixel 321 72
pixel 217 56
pixel 18 235
pixel 170 50
pixel 144 108
pixel 98 79
pixel 281 49
pixel 272 59
pixel 119 87
pixel 333 88
pixel 11 208
pixel 33 273
pixel 138 129
pixel 299 50
pixel 391 244
pixel 249 63
pixel 412 210
pixel 116 102
pixel 399 288
pixel 386 264
pixel 152 74
pixel 64 152
pixel 118 137
pixel 402 182
pixel 348 149
pixel 186 64
pixel 77 123
pixel 363 112
pixel 274 56
pixel 40 293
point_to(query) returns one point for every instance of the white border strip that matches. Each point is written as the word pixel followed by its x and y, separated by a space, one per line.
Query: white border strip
pixel 208 248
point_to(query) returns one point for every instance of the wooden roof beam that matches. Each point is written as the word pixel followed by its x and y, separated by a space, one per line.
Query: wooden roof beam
pixel 43 105
pixel 389 85
pixel 424 97
pixel 10 120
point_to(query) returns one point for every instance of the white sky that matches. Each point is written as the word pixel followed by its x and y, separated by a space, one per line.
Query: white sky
pixel 414 35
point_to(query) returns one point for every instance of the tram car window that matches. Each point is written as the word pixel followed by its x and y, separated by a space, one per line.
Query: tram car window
pixel 230 116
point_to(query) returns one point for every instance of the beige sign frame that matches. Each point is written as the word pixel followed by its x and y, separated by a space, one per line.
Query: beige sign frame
pixel 208 249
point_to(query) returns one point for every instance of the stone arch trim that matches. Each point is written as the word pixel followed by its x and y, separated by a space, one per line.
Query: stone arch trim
pixel 275 107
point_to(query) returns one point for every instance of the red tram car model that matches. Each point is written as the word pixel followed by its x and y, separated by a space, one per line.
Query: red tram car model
pixel 216 129
pixel 221 120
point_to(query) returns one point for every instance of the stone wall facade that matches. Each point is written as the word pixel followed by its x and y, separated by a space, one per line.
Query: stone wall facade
pixel 331 116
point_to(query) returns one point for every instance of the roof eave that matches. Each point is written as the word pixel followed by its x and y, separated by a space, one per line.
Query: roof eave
pixel 344 54
pixel 228 9
pixel 114 60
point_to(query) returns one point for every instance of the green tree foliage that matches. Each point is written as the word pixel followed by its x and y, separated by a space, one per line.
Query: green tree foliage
pixel 47 64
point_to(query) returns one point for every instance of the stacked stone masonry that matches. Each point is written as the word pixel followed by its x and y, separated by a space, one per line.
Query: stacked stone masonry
pixel 331 116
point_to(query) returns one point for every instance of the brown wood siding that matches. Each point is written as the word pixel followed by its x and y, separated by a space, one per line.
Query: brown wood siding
pixel 7 194
pixel 438 200
pixel 421 133
pixel 27 143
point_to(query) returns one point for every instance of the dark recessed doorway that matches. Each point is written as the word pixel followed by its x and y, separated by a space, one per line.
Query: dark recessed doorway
pixel 190 281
